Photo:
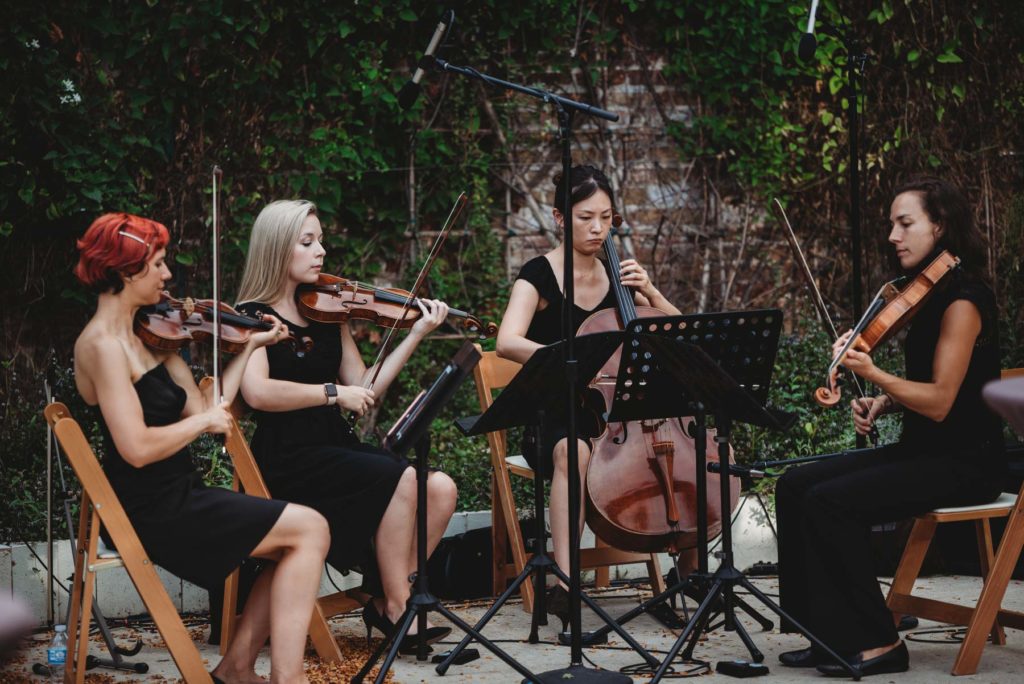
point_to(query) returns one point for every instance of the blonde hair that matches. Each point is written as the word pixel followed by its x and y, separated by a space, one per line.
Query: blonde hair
pixel 271 243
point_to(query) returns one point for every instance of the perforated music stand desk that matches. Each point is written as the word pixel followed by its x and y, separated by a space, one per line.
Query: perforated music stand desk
pixel 540 386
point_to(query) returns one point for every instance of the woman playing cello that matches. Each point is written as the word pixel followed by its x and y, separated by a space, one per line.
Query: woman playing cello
pixel 949 453
pixel 533 320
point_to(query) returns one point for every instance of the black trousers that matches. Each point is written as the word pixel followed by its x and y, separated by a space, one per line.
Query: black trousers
pixel 825 513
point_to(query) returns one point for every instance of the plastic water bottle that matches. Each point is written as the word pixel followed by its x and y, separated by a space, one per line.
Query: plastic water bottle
pixel 57 653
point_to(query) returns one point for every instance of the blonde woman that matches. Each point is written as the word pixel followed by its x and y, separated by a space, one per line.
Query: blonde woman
pixel 306 449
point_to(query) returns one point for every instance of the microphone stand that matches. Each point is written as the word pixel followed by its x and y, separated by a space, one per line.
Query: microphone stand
pixel 566 109
pixel 856 58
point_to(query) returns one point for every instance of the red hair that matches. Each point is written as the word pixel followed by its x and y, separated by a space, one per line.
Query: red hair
pixel 117 246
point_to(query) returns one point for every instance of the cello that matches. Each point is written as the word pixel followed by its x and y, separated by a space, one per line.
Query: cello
pixel 641 480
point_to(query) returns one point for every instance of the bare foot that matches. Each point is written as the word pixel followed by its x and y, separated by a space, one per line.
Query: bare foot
pixel 229 676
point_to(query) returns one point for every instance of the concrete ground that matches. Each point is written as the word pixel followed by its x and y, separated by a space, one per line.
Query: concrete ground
pixel 932 648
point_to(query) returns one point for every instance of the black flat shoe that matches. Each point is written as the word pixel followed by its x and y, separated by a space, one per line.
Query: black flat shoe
pixel 805 657
pixel 894 660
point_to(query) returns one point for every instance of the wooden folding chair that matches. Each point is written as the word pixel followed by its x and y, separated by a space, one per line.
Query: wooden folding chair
pixel 248 478
pixel 494 373
pixel 985 618
pixel 100 505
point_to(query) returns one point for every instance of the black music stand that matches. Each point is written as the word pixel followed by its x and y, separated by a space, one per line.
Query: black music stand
pixel 745 341
pixel 536 394
pixel 411 431
pixel 703 379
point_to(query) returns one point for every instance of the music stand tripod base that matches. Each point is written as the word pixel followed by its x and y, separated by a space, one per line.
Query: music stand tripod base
pixel 518 404
pixel 412 431
pixel 729 399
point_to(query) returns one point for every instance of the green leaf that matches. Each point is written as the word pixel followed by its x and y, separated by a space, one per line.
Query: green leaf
pixel 913 55
pixel 185 258
pixel 949 57
pixel 407 15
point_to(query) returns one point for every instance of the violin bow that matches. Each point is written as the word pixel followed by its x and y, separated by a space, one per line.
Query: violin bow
pixel 819 302
pixel 421 278
pixel 217 175
pixel 805 270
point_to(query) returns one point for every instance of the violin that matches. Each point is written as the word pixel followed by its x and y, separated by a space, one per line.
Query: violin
pixel 335 300
pixel 641 486
pixel 174 323
pixel 891 309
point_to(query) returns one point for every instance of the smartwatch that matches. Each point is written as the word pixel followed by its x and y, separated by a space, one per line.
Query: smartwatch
pixel 331 392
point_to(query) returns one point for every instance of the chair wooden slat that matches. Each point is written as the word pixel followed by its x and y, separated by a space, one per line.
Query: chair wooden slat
pixel 101 505
pixel 986 618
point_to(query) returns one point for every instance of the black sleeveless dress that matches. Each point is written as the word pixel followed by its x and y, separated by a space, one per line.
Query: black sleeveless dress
pixel 311 456
pixel 546 328
pixel 199 533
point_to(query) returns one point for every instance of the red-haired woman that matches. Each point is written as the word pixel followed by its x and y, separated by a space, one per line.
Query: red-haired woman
pixel 150 411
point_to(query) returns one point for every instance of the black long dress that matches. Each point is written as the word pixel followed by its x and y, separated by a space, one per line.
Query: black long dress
pixel 311 456
pixel 546 328
pixel 826 509
pixel 199 533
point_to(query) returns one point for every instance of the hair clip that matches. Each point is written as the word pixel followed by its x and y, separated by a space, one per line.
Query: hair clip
pixel 133 237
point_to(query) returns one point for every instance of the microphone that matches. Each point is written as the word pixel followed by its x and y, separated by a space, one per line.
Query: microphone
pixel 411 90
pixel 808 44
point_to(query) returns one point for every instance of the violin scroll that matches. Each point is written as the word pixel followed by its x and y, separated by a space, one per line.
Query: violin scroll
pixel 482 329
pixel 830 395
pixel 174 323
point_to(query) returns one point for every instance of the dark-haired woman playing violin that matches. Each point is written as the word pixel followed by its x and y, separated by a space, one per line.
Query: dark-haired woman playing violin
pixel 533 319
pixel 306 450
pixel 949 453
pixel 150 411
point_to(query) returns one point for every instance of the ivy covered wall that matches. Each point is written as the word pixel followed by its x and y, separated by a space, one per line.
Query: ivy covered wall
pixel 126 105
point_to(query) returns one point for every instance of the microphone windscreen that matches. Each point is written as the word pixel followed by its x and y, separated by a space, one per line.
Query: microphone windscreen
pixel 408 94
pixel 808 45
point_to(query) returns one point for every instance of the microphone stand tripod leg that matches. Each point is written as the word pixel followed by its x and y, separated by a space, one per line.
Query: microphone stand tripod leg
pixel 485 642
pixel 755 653
pixel 766 624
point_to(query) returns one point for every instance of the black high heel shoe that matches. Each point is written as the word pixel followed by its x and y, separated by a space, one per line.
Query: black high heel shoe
pixel 373 619
pixel 557 604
